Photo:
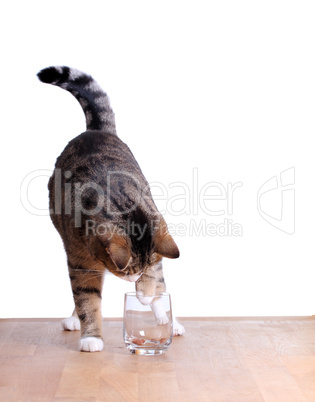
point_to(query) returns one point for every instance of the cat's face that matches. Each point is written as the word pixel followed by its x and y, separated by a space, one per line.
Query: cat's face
pixel 127 257
pixel 135 268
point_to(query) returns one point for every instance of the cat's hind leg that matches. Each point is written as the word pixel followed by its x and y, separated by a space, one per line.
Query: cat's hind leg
pixel 71 323
pixel 178 328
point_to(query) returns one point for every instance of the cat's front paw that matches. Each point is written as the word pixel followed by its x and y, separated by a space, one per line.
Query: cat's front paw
pixel 71 324
pixel 91 344
pixel 178 329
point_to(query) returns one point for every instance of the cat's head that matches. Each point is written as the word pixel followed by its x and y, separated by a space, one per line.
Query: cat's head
pixel 129 253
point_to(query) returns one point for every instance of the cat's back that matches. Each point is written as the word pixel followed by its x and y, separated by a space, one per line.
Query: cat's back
pixel 94 163
pixel 97 149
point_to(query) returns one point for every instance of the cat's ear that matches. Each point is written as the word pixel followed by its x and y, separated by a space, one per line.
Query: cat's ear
pixel 164 242
pixel 166 246
pixel 119 251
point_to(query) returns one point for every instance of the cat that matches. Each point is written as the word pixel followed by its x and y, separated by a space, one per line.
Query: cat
pixel 102 207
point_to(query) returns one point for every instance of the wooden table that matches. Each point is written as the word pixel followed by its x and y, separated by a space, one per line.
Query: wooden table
pixel 218 359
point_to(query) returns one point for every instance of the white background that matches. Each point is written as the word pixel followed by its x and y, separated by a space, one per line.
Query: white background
pixel 224 87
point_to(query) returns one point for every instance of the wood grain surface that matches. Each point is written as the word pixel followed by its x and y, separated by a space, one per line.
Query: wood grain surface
pixel 218 359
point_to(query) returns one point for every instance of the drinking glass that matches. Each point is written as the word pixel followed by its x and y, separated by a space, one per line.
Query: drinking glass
pixel 148 329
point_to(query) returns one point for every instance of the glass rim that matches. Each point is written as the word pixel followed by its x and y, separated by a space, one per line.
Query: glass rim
pixel 134 294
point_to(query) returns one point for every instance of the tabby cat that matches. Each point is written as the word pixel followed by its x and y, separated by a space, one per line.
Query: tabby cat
pixel 101 205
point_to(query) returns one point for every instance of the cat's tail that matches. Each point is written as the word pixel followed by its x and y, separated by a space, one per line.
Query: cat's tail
pixel 94 101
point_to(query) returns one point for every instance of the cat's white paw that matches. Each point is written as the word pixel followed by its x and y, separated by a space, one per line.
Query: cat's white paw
pixel 178 329
pixel 146 300
pixel 91 344
pixel 71 324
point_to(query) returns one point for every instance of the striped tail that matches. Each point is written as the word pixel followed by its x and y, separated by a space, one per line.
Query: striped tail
pixel 93 100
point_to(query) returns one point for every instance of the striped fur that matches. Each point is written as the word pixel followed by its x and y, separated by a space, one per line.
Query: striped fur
pixel 97 183
pixel 151 281
pixel 93 100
